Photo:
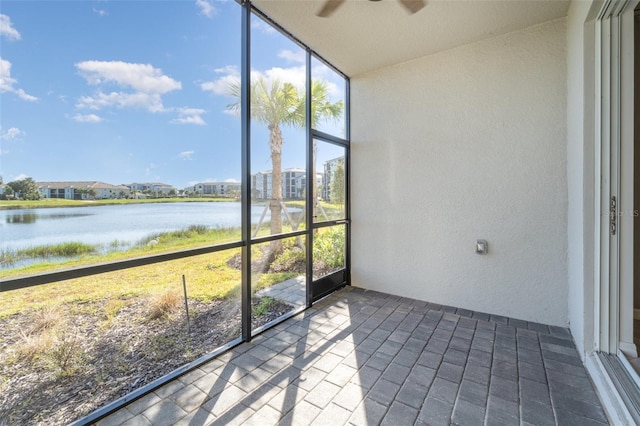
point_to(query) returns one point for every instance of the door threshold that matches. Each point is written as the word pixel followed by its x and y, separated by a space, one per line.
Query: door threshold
pixel 618 387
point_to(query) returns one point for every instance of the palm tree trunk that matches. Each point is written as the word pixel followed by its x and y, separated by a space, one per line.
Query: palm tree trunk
pixel 314 184
pixel 275 203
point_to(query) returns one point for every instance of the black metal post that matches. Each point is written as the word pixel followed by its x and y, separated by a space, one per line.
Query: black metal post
pixel 347 180
pixel 245 117
pixel 186 304
pixel 311 181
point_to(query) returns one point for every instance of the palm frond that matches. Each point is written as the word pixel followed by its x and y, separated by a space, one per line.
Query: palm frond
pixel 274 102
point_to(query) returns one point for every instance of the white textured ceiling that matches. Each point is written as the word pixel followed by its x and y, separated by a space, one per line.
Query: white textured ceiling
pixel 363 35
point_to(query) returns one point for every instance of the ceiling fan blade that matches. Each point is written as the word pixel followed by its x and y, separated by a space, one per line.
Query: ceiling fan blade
pixel 413 5
pixel 329 7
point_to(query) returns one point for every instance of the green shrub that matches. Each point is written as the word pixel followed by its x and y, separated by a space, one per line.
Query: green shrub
pixel 68 249
pixel 8 257
pixel 198 229
pixel 290 259
pixel 183 234
pixel 263 307
pixel 328 247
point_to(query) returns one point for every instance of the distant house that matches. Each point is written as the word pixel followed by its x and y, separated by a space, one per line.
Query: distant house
pixel 152 188
pixel 216 188
pixel 137 195
pixel 82 190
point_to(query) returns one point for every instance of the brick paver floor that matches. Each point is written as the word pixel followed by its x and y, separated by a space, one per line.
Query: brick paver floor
pixel 292 291
pixel 366 358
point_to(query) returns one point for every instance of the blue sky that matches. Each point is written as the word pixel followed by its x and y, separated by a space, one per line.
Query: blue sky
pixel 135 91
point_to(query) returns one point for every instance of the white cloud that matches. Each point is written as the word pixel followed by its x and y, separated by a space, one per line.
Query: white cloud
pixel 206 8
pixel 141 77
pixel 322 72
pixel 152 102
pixel 8 84
pixel 19 177
pixel 186 155
pixel 87 118
pixel 299 56
pixel 148 171
pixel 335 83
pixel 293 75
pixel 12 134
pixel 232 180
pixel 190 116
pixel 230 75
pixel 228 69
pixel 146 85
pixel 7 30
pixel 260 25
pixel 100 12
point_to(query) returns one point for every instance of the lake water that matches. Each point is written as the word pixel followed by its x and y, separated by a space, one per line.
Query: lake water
pixel 101 225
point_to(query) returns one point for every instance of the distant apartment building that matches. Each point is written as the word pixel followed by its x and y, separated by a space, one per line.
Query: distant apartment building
pixel 82 190
pixel 294 181
pixel 216 188
pixel 151 188
pixel 261 185
pixel 328 174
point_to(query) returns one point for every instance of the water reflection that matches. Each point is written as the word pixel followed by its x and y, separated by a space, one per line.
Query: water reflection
pixel 26 234
pixel 32 217
pixel 22 218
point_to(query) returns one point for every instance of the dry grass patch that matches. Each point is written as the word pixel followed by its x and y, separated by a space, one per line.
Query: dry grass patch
pixel 164 304
pixel 65 355
pixel 112 308
pixel 40 333
pixel 32 346
pixel 49 342
pixel 46 318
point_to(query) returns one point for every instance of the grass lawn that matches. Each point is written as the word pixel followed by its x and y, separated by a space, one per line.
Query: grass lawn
pixel 207 276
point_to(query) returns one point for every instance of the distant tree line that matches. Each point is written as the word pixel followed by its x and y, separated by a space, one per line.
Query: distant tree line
pixel 336 194
pixel 90 192
pixel 25 189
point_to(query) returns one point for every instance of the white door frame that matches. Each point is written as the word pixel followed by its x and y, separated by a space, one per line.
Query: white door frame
pixel 614 174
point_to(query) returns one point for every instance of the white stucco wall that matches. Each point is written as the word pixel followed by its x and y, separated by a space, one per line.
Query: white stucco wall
pixel 580 172
pixel 461 145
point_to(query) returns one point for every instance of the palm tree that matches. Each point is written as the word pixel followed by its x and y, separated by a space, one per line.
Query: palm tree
pixel 275 104
pixel 321 107
pixel 321 110
pixel 271 104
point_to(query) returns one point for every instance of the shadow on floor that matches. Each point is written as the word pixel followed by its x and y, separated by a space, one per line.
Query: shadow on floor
pixel 365 358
